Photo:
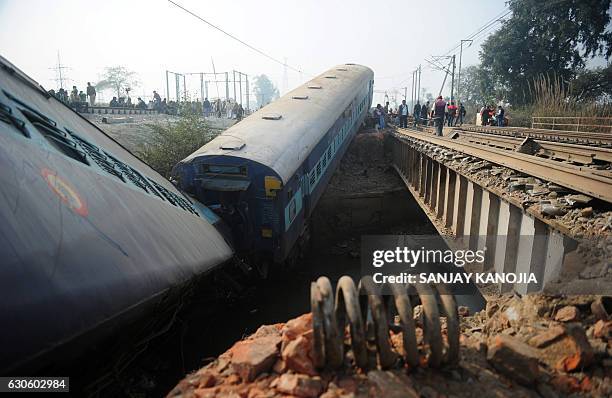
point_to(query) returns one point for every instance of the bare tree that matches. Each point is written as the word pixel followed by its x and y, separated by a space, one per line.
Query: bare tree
pixel 117 78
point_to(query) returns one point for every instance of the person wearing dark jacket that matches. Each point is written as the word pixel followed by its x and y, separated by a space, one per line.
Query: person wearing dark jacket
pixel 439 113
pixel 461 114
pixel 423 114
pixel 416 112
pixel 403 114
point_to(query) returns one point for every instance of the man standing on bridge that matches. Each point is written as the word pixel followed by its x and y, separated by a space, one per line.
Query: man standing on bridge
pixel 91 93
pixel 439 109
pixel 416 112
pixel 423 114
pixel 403 114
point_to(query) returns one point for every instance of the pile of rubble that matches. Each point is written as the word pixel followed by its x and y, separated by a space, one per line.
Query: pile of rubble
pixel 531 346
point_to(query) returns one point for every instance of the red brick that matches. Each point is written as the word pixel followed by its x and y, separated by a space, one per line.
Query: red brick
pixel 547 337
pixel 514 359
pixel 571 352
pixel 567 314
pixel 252 357
pixel 296 355
pixel 300 385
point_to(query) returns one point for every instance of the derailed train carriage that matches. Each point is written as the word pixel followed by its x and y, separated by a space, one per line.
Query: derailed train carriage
pixel 91 238
pixel 264 175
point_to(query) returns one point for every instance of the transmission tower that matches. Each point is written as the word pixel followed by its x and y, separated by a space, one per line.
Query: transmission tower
pixel 60 76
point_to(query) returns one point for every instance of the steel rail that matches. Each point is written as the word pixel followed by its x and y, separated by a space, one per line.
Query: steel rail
pixel 553 150
pixel 581 179
pixel 543 134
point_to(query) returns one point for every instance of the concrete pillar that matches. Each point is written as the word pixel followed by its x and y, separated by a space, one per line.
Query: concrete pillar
pixel 428 180
pixel 508 233
pixel 531 252
pixel 489 219
pixel 450 198
pixel 557 247
pixel 422 174
pixel 434 184
pixel 460 206
pixel 442 186
pixel 472 214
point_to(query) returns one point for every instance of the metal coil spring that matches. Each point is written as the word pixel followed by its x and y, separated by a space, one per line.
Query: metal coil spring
pixel 354 304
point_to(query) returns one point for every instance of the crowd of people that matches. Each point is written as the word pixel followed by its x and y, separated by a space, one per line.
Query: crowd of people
pixel 439 114
pixel 81 101
pixel 76 98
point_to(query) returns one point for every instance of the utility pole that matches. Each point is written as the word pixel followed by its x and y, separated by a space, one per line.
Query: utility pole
pixel 453 80
pixel 405 92
pixel 419 86
pixel 459 74
pixel 226 85
pixel 412 92
pixel 234 74
pixel 167 86
pixel 202 87
pixel 247 92
pixel 215 76
pixel 240 86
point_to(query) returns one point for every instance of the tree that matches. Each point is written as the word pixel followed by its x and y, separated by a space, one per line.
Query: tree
pixel 476 87
pixel 173 142
pixel 543 38
pixel 592 84
pixel 264 90
pixel 117 78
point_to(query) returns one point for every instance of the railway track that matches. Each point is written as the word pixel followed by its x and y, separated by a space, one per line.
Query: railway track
pixel 582 138
pixel 572 153
pixel 590 180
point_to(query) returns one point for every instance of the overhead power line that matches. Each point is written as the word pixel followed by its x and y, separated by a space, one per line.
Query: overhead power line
pixel 234 37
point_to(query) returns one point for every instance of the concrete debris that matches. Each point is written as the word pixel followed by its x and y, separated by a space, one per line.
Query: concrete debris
pixel 555 345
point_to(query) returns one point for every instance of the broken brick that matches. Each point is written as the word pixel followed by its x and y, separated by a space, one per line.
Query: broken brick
pixel 252 357
pixel 602 329
pixel 296 327
pixel 296 355
pixel 545 338
pixel 514 359
pixel 300 385
pixel 567 314
pixel 571 352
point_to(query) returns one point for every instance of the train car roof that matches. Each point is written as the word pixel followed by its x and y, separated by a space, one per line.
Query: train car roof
pixel 283 133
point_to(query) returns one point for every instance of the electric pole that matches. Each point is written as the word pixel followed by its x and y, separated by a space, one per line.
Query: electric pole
pixel 453 80
pixel 459 74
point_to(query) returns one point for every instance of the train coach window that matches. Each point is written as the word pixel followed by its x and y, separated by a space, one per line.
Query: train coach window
pixel 300 97
pixel 315 87
pixel 54 136
pixel 330 77
pixel 224 169
pixel 342 69
pixel 6 115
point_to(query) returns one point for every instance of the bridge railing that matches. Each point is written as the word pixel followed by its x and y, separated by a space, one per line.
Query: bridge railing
pixel 107 110
pixel 573 123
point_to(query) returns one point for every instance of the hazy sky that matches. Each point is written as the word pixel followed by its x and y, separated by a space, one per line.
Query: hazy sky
pixel 151 36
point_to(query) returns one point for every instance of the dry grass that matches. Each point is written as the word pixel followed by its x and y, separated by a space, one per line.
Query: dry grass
pixel 554 98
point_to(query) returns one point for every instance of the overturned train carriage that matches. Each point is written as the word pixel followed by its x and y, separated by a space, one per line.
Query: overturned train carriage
pixel 265 174
pixel 91 238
